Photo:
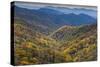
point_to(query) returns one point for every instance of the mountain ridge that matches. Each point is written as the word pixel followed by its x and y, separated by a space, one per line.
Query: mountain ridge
pixel 56 18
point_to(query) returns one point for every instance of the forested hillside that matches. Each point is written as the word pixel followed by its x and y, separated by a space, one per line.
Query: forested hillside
pixel 66 44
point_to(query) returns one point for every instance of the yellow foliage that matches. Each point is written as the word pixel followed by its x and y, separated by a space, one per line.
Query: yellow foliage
pixel 34 60
pixel 20 52
pixel 42 40
pixel 24 62
pixel 29 44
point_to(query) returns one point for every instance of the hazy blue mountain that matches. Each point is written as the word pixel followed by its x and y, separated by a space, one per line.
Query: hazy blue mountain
pixel 51 19
pixel 90 12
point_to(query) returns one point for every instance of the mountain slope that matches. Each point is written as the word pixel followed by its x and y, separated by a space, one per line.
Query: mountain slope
pixel 33 47
pixel 63 33
pixel 71 32
pixel 81 45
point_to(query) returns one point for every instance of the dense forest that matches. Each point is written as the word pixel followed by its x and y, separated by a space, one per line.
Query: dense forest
pixel 66 44
pixel 47 35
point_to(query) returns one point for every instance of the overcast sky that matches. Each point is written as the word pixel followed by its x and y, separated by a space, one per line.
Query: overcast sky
pixel 37 6
pixel 89 10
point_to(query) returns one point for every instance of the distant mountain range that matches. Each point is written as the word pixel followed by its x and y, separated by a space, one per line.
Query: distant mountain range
pixel 51 19
pixel 51 16
pixel 67 10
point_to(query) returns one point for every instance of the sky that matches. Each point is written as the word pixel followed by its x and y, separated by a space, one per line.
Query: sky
pixel 39 5
pixel 90 10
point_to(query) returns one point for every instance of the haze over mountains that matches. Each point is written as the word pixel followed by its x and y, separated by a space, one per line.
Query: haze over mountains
pixel 54 35
pixel 48 18
pixel 58 16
